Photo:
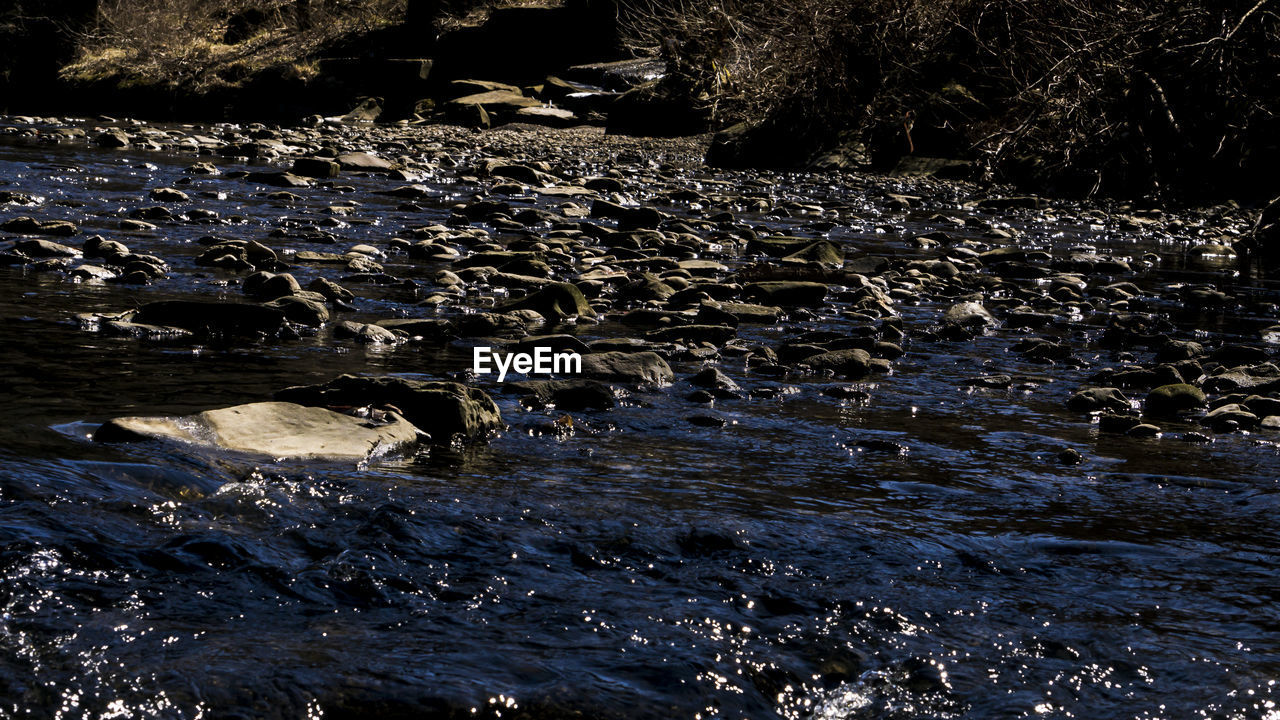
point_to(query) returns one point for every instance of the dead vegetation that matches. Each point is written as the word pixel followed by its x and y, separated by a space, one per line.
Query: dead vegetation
pixel 194 45
pixel 1137 95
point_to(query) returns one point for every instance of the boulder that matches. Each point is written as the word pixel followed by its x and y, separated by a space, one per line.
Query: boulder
pixel 968 314
pixel 1098 398
pixel 30 226
pixel 787 293
pixel 851 364
pixel 443 409
pixel 211 317
pixel 44 249
pixel 1174 398
pixel 280 430
pixel 277 179
pixel 315 167
pixel 633 367
pixel 555 302
pixel 570 395
pixel 365 162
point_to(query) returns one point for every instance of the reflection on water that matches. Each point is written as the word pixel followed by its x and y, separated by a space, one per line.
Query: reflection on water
pixel 917 554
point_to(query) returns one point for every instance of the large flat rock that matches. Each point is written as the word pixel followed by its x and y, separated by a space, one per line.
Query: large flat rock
pixel 280 430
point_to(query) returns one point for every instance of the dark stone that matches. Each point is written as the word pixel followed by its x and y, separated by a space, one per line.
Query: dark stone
pixel 442 409
pixel 211 317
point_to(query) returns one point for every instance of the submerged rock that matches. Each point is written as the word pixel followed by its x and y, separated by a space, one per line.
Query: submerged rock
pixel 281 430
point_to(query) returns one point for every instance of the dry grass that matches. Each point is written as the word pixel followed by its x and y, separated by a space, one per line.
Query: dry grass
pixel 1152 89
pixel 180 43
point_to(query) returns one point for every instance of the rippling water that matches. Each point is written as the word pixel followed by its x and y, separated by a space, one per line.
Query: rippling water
pixel 782 566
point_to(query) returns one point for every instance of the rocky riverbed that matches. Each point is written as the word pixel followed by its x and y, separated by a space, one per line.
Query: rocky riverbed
pixel 841 445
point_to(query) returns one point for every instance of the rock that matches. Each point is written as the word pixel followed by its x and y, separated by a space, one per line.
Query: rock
pixel 632 367
pixel 693 334
pixel 332 291
pixel 707 419
pixel 555 302
pixel 167 194
pixel 1098 398
pixel 787 293
pixel 301 310
pixel 280 430
pixel 748 313
pixel 44 249
pixel 1144 430
pixel 315 167
pixel 277 179
pixel 549 116
pixel 365 162
pixel 211 317
pixel 570 395
pixel 1070 456
pixel 364 333
pixel 112 139
pixel 30 226
pixel 496 103
pixel 720 385
pixel 1228 418
pixel 267 286
pixel 820 253
pixel 968 315
pixel 367 111
pixel 443 409
pixel 852 364
pixel 1174 398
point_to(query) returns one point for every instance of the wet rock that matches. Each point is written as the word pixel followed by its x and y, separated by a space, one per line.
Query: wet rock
pixel 212 317
pixel 852 364
pixel 140 331
pixel 168 194
pixel 30 226
pixel 714 334
pixel 1070 456
pixel 112 139
pixel 1144 430
pixel 366 111
pixel 364 333
pixel 442 409
pixel 968 315
pixel 277 179
pixel 45 249
pixel 427 328
pixel 315 168
pixel 572 395
pixel 279 430
pixel 555 302
pixel 1174 398
pixel 267 286
pixel 497 324
pixel 820 253
pixel 1229 418
pixel 707 419
pixel 786 293
pixel 631 367
pixel 1098 398
pixel 9 197
pixel 720 385
pixel 302 310
pixel 556 343
pixel 332 291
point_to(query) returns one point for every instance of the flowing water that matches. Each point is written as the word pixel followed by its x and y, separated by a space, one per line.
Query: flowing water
pixel 915 552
